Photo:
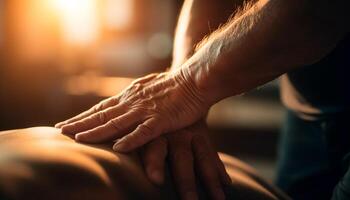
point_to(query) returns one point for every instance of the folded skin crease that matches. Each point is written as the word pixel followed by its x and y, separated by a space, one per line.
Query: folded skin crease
pixel 149 107
pixel 187 149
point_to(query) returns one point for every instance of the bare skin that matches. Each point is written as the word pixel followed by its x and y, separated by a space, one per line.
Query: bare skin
pixel 249 51
pixel 187 149
pixel 268 39
pixel 40 163
pixel 197 19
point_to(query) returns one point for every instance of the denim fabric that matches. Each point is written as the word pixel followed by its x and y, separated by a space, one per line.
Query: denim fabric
pixel 313 158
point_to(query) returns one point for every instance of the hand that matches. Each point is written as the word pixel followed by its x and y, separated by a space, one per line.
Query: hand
pixel 149 107
pixel 188 150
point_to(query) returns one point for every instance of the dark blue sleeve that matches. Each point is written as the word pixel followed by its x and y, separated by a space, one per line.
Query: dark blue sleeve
pixel 342 190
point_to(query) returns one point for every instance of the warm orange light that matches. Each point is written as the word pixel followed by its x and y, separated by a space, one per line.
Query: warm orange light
pixel 118 14
pixel 100 86
pixel 79 20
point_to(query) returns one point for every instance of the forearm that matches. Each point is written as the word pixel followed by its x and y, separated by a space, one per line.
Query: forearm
pixel 269 39
pixel 197 19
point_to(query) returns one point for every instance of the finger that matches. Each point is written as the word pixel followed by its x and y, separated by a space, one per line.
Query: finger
pixel 153 157
pixel 146 78
pixel 181 160
pixel 143 134
pixel 96 108
pixel 94 120
pixel 113 129
pixel 224 177
pixel 207 168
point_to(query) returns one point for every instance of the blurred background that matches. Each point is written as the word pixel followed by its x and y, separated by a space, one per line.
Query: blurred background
pixel 60 57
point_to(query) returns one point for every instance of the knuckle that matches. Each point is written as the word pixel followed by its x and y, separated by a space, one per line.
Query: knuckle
pixel 97 107
pixel 140 110
pixel 152 75
pixel 114 123
pixel 82 123
pixel 145 130
pixel 102 117
pixel 141 93
pixel 184 155
pixel 127 102
pixel 137 85
pixel 136 81
pixel 113 100
pixel 160 75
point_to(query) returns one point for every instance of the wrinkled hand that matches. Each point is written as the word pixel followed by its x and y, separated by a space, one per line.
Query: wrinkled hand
pixel 149 107
pixel 188 150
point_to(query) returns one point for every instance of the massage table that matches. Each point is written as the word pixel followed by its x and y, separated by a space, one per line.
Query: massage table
pixel 41 163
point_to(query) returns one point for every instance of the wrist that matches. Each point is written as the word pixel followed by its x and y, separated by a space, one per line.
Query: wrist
pixel 214 87
pixel 189 88
pixel 197 83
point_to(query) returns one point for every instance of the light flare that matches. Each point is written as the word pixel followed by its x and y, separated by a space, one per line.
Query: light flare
pixel 79 20
pixel 118 14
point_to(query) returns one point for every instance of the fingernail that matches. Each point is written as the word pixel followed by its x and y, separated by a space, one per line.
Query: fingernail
pixel 191 196
pixel 219 194
pixel 157 177
pixel 65 129
pixel 78 137
pixel 59 125
pixel 120 146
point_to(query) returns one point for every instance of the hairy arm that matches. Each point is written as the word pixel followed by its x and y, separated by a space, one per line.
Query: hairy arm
pixel 197 19
pixel 267 39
